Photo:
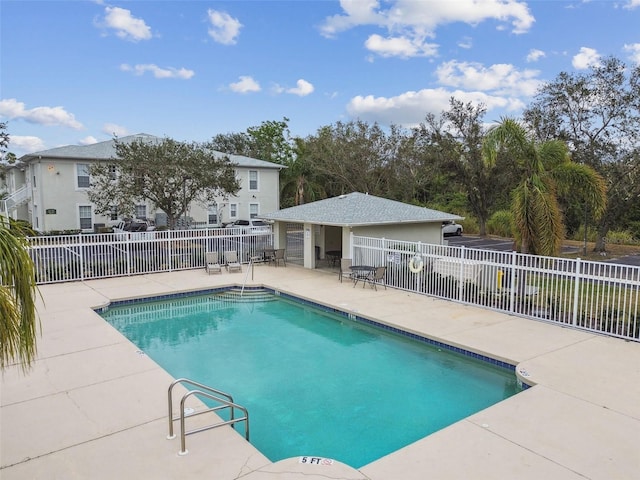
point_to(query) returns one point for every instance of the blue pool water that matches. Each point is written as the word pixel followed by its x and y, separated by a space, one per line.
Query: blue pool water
pixel 314 382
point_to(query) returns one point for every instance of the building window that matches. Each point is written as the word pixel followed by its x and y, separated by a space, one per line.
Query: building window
pixel 83 175
pixel 233 210
pixel 253 180
pixel 112 172
pixel 113 214
pixel 86 218
pixel 212 215
pixel 141 212
pixel 254 210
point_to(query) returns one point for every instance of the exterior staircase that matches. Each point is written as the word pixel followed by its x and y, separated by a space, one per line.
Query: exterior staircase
pixel 13 201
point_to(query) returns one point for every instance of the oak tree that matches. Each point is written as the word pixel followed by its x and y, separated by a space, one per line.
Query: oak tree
pixel 167 173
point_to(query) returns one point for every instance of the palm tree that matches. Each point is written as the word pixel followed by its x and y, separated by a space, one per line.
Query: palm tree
pixel 18 318
pixel 300 182
pixel 546 173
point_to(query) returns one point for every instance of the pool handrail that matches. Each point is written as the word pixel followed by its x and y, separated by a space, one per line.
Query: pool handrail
pixel 212 394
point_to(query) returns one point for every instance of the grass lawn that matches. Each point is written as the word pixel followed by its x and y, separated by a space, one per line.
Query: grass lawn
pixel 613 251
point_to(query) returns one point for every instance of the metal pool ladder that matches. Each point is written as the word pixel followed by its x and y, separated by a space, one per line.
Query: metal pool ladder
pixel 223 400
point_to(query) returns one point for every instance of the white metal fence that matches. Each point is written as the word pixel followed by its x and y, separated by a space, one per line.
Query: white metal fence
pixel 595 296
pixel 87 256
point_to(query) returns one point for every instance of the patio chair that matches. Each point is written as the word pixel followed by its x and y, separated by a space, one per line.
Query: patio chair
pixel 212 265
pixel 233 265
pixel 345 269
pixel 279 256
pixel 377 277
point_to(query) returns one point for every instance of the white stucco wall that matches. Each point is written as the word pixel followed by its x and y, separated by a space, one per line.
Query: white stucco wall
pixel 410 232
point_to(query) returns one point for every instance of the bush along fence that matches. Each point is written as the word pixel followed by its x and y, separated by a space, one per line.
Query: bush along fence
pixel 595 296
pixel 89 256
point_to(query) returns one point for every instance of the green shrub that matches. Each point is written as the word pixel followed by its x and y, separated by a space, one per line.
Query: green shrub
pixel 592 234
pixel 62 232
pixel 470 224
pixel 634 228
pixel 620 237
pixel 501 224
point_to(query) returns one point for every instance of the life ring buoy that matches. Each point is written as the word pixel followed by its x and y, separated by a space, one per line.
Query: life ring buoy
pixel 416 264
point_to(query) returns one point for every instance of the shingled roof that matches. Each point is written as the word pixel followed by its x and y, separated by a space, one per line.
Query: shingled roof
pixel 107 150
pixel 358 209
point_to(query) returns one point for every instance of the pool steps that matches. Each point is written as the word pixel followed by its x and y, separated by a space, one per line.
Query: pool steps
pixel 236 295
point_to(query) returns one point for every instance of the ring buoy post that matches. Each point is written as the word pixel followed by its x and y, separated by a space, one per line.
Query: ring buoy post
pixel 416 264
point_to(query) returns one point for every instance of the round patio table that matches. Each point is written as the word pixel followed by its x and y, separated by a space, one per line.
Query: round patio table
pixel 361 272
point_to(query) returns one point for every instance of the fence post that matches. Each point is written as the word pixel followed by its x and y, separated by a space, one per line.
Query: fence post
pixel 512 282
pixel 419 276
pixel 81 256
pixel 170 239
pixel 128 255
pixel 463 255
pixel 576 293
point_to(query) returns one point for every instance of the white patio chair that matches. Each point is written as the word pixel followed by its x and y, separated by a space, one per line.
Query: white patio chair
pixel 212 265
pixel 232 263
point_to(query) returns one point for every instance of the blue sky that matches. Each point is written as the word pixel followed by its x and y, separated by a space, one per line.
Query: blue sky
pixel 78 72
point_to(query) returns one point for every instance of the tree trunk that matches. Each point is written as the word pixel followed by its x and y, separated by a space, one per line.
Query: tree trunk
pixel 483 226
pixel 603 229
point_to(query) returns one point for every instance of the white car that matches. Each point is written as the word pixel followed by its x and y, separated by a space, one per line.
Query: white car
pixel 252 224
pixel 451 228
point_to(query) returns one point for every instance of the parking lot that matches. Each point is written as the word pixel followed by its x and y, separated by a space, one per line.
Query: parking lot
pixel 482 243
pixel 506 245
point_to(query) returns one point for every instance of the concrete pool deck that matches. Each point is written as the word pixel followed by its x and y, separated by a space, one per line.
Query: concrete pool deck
pixel 94 407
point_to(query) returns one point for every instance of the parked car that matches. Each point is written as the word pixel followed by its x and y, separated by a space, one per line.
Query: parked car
pixel 133 225
pixel 252 224
pixel 134 229
pixel 451 228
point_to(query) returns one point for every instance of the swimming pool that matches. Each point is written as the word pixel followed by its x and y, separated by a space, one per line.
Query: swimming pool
pixel 314 381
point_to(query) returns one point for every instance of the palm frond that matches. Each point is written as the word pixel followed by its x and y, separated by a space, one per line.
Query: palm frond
pixel 19 322
pixel 507 135
pixel 584 183
pixel 553 154
pixel 537 217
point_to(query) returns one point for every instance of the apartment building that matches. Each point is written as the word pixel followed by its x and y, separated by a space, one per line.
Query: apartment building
pixel 49 190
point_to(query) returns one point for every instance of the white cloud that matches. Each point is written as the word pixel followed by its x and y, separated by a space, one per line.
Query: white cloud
pixel 224 28
pixel 302 89
pixel 466 43
pixel 48 116
pixel 25 144
pixel 415 21
pixel 502 79
pixel 112 129
pixel 400 47
pixel 357 13
pixel 534 55
pixel 168 72
pixel 409 109
pixel 88 140
pixel 586 58
pixel 126 26
pixel 632 4
pixel 634 51
pixel 245 84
